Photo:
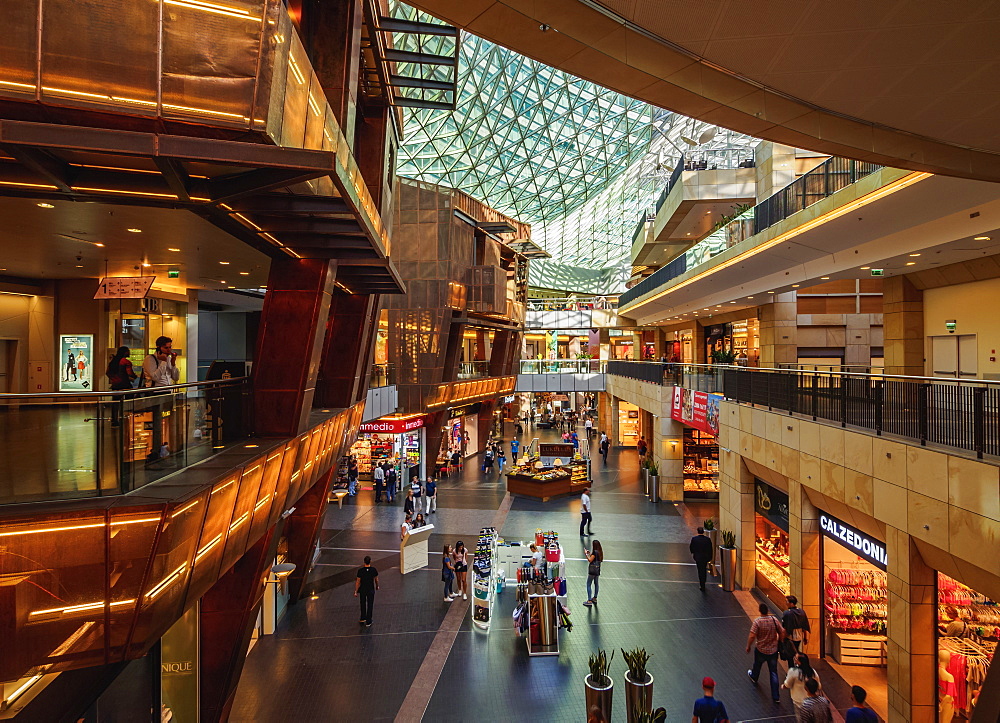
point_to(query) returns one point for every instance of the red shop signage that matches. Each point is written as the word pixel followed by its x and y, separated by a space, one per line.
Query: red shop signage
pixel 392 426
pixel 696 409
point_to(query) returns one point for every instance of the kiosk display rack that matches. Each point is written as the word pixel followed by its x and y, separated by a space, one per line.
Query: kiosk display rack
pixel 485 570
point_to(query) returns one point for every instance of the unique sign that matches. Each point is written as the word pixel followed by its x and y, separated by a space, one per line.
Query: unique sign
pixel 509 399
pixel 124 287
pixel 696 409
pixel 854 539
pixel 392 426
pixel 771 504
pixel 76 353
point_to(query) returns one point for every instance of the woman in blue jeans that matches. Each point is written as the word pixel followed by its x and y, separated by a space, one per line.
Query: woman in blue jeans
pixel 594 559
pixel 448 574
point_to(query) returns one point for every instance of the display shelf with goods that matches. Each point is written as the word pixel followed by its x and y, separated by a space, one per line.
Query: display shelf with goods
pixel 772 561
pixel 541 598
pixel 701 465
pixel 968 632
pixel 856 609
pixel 531 478
pixel 486 570
pixel 362 452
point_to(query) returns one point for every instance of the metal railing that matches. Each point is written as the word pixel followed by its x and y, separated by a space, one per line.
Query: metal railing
pixel 958 413
pixel 562 366
pixel 473 370
pixel 382 375
pixel 64 446
pixel 573 304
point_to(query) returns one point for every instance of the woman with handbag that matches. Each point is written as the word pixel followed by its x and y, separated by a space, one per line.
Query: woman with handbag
pixel 594 559
pixel 798 674
pixel 461 560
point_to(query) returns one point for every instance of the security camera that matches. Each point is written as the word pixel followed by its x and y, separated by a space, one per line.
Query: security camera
pixel 79 257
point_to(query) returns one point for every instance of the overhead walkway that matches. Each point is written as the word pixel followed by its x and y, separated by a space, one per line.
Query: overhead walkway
pixel 561 375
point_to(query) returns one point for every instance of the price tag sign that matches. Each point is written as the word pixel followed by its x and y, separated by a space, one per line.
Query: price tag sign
pixel 124 287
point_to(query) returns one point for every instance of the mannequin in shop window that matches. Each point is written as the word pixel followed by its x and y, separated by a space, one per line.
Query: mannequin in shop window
pixel 946 687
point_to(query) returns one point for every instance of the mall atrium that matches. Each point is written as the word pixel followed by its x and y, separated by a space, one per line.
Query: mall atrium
pixel 456 312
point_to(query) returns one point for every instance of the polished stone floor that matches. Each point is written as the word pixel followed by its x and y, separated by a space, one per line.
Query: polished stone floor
pixel 321 666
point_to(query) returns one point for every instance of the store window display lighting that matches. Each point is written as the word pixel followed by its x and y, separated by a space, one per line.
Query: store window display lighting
pixel 968 632
pixel 771 541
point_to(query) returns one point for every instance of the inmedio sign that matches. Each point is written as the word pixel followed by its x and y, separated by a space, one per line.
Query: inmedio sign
pixel 853 539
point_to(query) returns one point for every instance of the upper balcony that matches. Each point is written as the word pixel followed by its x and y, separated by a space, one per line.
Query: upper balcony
pixel 211 107
pixel 598 312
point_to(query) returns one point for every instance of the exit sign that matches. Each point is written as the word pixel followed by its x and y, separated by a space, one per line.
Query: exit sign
pixel 878 272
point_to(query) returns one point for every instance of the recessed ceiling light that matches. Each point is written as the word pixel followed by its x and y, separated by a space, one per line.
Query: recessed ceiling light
pixel 223 282
pixel 914 254
pixel 244 273
pixel 99 244
pixel 146 265
pixel 982 238
pixel 173 249
pixel 749 297
pixel 911 263
pixel 224 263
pixel 824 278
pixel 79 266
pixel 770 292
pixel 795 286
pixel 865 268
pixel 732 302
pixel 45 205
pixel 134 230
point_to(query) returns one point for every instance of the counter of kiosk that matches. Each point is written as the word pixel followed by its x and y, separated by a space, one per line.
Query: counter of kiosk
pixel 542 482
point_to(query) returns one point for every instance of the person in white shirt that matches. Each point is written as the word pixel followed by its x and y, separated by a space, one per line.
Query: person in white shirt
pixel 160 369
pixel 589 426
pixel 585 517
pixel 378 481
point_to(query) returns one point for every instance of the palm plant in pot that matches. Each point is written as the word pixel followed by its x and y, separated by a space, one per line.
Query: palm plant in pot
pixel 641 715
pixel 638 683
pixel 599 685
pixel 727 556
pixel 654 480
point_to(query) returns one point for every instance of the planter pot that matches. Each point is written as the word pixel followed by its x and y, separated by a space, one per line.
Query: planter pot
pixel 645 481
pixel 654 488
pixel 599 698
pixel 713 566
pixel 727 558
pixel 638 695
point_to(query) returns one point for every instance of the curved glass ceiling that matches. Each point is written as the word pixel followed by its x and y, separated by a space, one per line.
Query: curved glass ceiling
pixel 579 162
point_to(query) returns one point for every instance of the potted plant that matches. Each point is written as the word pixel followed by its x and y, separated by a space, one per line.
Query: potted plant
pixel 599 685
pixel 638 683
pixel 646 716
pixel 654 480
pixel 713 534
pixel 727 557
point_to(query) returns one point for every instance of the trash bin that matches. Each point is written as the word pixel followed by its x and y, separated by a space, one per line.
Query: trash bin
pixel 653 491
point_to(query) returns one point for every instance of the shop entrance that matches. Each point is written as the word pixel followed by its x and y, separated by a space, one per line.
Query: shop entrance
pixel 967 640
pixel 628 424
pixel 771 543
pixel 855 604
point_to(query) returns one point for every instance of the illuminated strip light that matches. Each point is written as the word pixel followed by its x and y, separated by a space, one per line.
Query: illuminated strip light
pixel 185 508
pixel 887 190
pixel 295 70
pixel 21 690
pixel 274 456
pixel 217 9
pixel 72 639
pixel 167 581
pixel 136 522
pixel 124 193
pixel 207 548
pixel 261 503
pixel 12 84
pixel 247 221
pixel 54 529
pixel 81 608
pixel 242 518
pixel 27 185
pixel 313 106
pixel 219 489
pixel 206 111
pixel 294 476
pixel 251 470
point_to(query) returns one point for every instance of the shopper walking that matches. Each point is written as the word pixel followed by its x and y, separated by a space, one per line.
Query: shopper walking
pixel 604 446
pixel 448 573
pixel 501 459
pixel 365 585
pixel 702 552
pixel 456 460
pixel 585 516
pixel 488 461
pixel 391 482
pixel 417 490
pixel 352 476
pixel 409 506
pixel 404 529
pixel 796 623
pixel 575 439
pixel 859 712
pixel 430 494
pixel 588 425
pixel 799 673
pixel 765 635
pixel 515 447
pixel 378 477
pixel 461 559
pixel 708 708
pixel 594 559
pixel 641 448
pixel 120 377
pixel 815 708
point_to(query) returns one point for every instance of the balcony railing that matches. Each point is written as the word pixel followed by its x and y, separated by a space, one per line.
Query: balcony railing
pixel 573 304
pixel 562 366
pixel 473 370
pixel 64 446
pixel 957 413
pixel 382 375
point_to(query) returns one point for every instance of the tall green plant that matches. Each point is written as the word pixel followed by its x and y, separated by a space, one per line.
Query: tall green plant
pixel 640 715
pixel 654 468
pixel 636 661
pixel 708 524
pixel 729 539
pixel 599 664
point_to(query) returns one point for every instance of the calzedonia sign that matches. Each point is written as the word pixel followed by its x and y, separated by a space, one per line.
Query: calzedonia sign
pixel 854 539
pixel 392 426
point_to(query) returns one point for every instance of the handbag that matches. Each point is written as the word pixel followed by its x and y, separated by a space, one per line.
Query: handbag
pixel 594 568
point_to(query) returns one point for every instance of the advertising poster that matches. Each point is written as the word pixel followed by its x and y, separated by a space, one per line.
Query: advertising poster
pixel 696 409
pixel 75 363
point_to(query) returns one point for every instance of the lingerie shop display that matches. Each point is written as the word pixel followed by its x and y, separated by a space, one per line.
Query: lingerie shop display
pixel 856 600
pixel 968 630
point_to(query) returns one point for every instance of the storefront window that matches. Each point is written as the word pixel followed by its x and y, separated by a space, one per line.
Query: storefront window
pixel 968 631
pixel 771 541
pixel 701 464
pixel 628 424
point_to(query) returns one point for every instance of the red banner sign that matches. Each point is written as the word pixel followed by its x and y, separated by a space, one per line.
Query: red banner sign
pixel 392 426
pixel 696 409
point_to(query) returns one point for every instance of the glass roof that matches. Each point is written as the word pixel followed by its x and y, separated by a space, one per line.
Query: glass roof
pixel 577 161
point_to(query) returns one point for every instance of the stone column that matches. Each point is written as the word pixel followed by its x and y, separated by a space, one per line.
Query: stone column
pixel 736 497
pixel 698 353
pixel 667 446
pixel 778 325
pixel 804 546
pixel 903 326
pixel 911 648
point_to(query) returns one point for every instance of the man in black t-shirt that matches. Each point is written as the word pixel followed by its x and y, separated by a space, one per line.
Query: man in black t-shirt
pixel 364 587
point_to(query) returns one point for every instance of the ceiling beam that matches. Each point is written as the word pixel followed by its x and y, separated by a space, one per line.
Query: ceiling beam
pixel 290 203
pixel 44 164
pixel 175 176
pixel 259 180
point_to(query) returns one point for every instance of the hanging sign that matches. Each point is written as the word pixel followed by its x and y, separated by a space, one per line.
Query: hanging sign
pixel 696 409
pixel 771 504
pixel 124 287
pixel 392 426
pixel 854 539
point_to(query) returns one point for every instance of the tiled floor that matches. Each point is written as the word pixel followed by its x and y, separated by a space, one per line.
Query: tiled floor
pixel 322 666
